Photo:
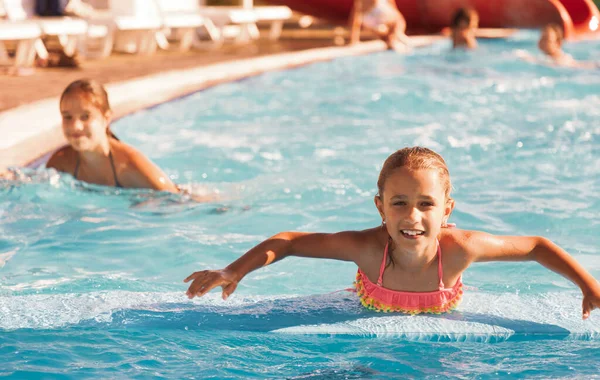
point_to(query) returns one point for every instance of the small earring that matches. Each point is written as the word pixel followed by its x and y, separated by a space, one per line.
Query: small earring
pixel 383 222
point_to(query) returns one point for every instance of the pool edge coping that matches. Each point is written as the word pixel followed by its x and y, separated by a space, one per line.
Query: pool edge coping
pixel 43 134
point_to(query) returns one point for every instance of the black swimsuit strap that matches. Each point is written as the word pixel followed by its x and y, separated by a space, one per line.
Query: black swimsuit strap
pixel 112 165
pixel 76 168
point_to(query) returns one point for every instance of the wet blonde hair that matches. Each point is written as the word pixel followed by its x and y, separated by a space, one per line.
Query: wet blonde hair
pixel 94 92
pixel 415 158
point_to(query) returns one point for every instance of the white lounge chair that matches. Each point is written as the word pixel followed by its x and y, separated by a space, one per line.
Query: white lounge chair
pixel 100 35
pixel 72 33
pixel 68 30
pixel 245 18
pixel 275 15
pixel 183 18
pixel 133 22
pixel 234 23
pixel 23 35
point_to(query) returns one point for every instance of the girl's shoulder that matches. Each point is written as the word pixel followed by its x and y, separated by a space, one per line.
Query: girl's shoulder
pixel 137 170
pixel 372 244
pixel 466 246
pixel 366 241
pixel 453 238
pixel 126 156
pixel 63 160
pixel 122 149
pixel 453 243
pixel 376 238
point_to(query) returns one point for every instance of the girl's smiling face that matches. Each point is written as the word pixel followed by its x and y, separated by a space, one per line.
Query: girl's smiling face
pixel 84 124
pixel 414 206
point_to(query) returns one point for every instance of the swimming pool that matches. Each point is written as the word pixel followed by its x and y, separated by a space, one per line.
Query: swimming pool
pixel 91 277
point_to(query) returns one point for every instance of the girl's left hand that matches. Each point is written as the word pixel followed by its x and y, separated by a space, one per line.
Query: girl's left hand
pixel 591 301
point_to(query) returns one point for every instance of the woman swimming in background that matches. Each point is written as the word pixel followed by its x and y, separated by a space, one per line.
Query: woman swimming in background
pixel 383 18
pixel 410 263
pixel 550 43
pixel 94 154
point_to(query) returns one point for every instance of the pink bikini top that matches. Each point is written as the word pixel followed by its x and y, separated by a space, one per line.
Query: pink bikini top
pixel 376 297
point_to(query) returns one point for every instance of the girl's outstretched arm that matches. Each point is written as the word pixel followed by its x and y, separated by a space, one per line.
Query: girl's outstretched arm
pixel 346 246
pixel 482 247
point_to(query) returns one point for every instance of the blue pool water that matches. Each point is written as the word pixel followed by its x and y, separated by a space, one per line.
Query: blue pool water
pixel 91 277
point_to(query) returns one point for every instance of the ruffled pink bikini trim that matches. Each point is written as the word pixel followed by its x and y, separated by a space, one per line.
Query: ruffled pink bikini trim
pixel 380 299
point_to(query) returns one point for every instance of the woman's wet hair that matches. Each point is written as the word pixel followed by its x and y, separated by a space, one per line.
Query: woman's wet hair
pixel 415 158
pixel 95 93
pixel 463 15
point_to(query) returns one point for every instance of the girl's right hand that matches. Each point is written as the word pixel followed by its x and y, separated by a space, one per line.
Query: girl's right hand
pixel 7 174
pixel 206 280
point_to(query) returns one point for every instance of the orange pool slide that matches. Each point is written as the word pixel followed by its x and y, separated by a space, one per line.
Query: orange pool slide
pixel 579 18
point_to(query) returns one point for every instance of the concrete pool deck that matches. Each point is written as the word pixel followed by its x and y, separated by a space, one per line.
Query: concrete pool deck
pixel 29 115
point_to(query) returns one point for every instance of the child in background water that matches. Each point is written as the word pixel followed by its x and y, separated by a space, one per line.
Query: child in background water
pixel 463 26
pixel 383 18
pixel 410 263
pixel 550 43
pixel 464 29
pixel 94 154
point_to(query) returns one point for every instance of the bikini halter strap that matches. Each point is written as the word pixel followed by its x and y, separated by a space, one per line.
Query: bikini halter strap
pixel 384 262
pixel 112 165
pixel 440 270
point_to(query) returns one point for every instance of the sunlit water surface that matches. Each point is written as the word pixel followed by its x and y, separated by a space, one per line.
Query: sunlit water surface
pixel 91 278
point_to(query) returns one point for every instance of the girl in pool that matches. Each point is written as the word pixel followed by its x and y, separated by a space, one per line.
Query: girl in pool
pixel 383 18
pixel 463 26
pixel 410 263
pixel 464 29
pixel 550 43
pixel 94 153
